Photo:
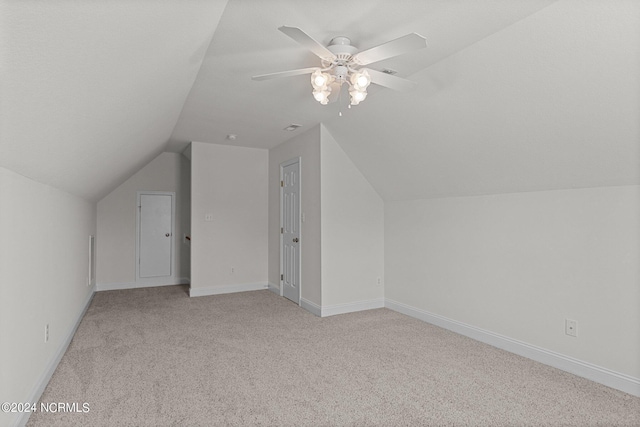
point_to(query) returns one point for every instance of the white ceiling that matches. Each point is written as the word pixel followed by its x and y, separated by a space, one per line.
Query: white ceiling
pixel 91 90
pixel 513 95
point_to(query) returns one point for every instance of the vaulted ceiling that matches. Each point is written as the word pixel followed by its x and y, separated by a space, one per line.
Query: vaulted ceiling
pixel 512 95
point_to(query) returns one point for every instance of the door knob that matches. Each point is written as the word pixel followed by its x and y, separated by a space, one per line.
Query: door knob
pixel 296 240
pixel 167 235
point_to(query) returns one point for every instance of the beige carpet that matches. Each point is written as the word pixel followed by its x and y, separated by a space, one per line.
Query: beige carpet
pixel 155 357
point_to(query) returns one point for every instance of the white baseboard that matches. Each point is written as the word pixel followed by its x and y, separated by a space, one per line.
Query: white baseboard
pixel 622 382
pixel 226 289
pixel 332 310
pixel 311 307
pixel 42 382
pixel 171 281
pixel 274 288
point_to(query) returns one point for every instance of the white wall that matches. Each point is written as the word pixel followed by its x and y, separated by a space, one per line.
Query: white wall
pixel 342 239
pixel 116 235
pixel 231 184
pixel 307 146
pixel 44 267
pixel 519 264
pixel 352 230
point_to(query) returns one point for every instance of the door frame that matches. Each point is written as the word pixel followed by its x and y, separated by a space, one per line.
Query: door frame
pixel 284 164
pixel 164 280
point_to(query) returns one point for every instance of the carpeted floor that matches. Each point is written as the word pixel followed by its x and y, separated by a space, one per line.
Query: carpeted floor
pixel 155 357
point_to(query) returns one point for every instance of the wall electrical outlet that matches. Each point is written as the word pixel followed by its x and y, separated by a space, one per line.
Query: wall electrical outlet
pixel 208 217
pixel 379 281
pixel 233 270
pixel 46 333
pixel 571 327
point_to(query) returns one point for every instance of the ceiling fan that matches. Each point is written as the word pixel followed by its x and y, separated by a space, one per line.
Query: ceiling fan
pixel 341 63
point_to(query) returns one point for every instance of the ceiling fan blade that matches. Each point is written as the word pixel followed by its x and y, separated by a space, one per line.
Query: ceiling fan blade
pixel 390 49
pixel 391 82
pixel 285 73
pixel 305 40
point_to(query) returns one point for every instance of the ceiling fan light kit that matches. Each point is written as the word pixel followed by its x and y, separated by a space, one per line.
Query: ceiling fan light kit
pixel 341 63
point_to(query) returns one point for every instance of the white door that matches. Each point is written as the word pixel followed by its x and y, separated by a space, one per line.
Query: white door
pixel 290 209
pixel 155 240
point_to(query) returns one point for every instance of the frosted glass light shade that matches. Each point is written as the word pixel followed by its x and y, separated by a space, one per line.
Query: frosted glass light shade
pixel 322 96
pixel 320 80
pixel 357 96
pixel 361 80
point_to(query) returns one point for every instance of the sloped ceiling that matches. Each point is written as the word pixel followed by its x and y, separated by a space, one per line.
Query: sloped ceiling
pixel 512 95
pixel 225 100
pixel 551 102
pixel 91 90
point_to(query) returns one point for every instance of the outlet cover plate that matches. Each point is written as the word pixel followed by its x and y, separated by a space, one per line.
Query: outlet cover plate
pixel 571 327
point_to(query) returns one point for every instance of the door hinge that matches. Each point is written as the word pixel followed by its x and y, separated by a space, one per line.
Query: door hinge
pixel 282 277
pixel 281 230
pixel 281 183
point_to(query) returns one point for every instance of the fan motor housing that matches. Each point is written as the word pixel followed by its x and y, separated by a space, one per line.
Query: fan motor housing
pixel 341 47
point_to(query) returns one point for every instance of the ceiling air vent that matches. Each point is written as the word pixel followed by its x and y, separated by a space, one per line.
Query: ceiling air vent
pixel 292 127
pixel 389 71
